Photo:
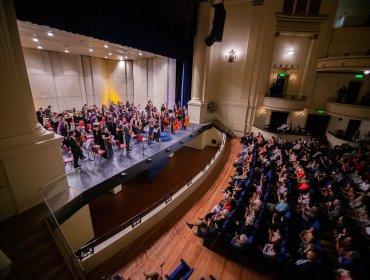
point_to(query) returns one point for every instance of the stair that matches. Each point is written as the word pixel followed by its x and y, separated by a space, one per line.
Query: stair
pixel 35 255
pixel 221 127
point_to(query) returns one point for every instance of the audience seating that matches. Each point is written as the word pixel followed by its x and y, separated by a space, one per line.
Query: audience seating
pixel 182 271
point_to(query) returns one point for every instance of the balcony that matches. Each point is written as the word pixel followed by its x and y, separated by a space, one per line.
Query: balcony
pixel 351 111
pixel 352 62
pixel 287 103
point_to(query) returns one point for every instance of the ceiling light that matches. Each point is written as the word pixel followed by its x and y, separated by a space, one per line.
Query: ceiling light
pixel 39 47
pixel 66 51
pixel 290 51
pixel 35 39
pixel 105 57
pixel 90 50
pixel 121 58
pixel 50 34
pixel 367 72
pixel 106 46
pixel 110 53
pixel 140 53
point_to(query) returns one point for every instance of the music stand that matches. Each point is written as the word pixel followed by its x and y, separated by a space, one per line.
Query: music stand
pixel 142 140
pixel 87 148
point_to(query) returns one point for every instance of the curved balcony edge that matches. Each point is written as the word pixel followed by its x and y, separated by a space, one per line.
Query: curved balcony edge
pixel 348 110
pixel 284 103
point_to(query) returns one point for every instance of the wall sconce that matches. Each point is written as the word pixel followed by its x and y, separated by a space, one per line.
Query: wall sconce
pixel 231 56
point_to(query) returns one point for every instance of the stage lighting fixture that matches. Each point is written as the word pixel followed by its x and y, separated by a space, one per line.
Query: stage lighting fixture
pixel 123 174
pixel 168 149
pixel 149 160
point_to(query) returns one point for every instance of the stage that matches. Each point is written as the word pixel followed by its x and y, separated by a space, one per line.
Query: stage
pixel 98 175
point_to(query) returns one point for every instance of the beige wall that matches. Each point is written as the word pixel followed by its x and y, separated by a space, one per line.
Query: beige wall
pixel 66 80
pixel 78 229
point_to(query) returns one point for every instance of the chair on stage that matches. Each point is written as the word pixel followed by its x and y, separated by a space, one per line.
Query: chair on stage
pixel 69 160
pixel 96 150
pixel 120 146
pixel 88 128
pixel 81 124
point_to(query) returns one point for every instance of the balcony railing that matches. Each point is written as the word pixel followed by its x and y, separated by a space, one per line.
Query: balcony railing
pixel 285 103
pixel 352 111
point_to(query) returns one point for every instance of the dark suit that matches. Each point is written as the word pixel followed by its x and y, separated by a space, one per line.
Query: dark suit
pixel 75 149
pixel 39 117
pixel 127 137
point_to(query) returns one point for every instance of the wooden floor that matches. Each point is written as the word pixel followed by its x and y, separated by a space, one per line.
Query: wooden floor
pixel 178 241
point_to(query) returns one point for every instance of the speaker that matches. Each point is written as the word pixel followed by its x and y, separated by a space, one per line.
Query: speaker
pixel 218 25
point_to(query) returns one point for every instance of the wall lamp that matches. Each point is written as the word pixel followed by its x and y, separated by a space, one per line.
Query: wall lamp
pixel 231 56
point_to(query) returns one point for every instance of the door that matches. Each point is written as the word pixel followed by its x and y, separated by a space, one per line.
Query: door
pixel 352 92
pixel 277 119
pixel 353 125
pixel 317 125
pixel 281 84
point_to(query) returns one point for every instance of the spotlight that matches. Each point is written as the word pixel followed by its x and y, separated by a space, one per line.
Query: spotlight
pixel 182 142
pixel 168 149
pixel 123 174
pixel 149 160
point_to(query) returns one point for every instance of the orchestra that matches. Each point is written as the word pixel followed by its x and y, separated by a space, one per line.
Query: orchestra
pixel 118 121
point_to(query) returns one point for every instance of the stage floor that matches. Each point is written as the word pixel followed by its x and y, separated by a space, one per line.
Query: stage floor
pixel 95 170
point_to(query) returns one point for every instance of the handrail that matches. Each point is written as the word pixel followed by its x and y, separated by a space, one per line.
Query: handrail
pixel 64 244
pixel 357 104
pixel 223 122
pixel 88 249
pixel 291 97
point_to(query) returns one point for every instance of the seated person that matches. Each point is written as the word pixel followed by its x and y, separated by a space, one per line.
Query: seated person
pixel 270 248
pixel 239 241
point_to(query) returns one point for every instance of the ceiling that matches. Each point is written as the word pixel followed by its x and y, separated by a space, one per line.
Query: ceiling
pixel 62 41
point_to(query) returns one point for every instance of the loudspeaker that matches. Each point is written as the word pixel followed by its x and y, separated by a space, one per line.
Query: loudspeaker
pixel 217 26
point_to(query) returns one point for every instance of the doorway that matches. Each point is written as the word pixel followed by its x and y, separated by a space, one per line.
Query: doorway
pixel 353 125
pixel 277 119
pixel 352 92
pixel 281 84
pixel 317 125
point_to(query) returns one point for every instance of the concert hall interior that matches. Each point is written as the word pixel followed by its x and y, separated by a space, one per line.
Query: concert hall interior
pixel 176 139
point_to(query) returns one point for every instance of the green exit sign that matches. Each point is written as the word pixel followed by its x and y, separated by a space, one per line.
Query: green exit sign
pixel 359 76
pixel 321 111
pixel 282 75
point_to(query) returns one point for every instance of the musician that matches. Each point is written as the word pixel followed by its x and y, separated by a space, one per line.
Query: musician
pixel 39 115
pixel 127 131
pixel 136 129
pixel 151 132
pixel 75 148
pixel 186 120
pixel 107 143
pixel 119 131
pixel 112 126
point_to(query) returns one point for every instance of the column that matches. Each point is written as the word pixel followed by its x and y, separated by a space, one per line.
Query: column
pixel 29 155
pixel 196 106
pixel 307 65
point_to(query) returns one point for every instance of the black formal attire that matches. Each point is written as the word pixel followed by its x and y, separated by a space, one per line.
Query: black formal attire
pixel 39 117
pixel 127 137
pixel 75 149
